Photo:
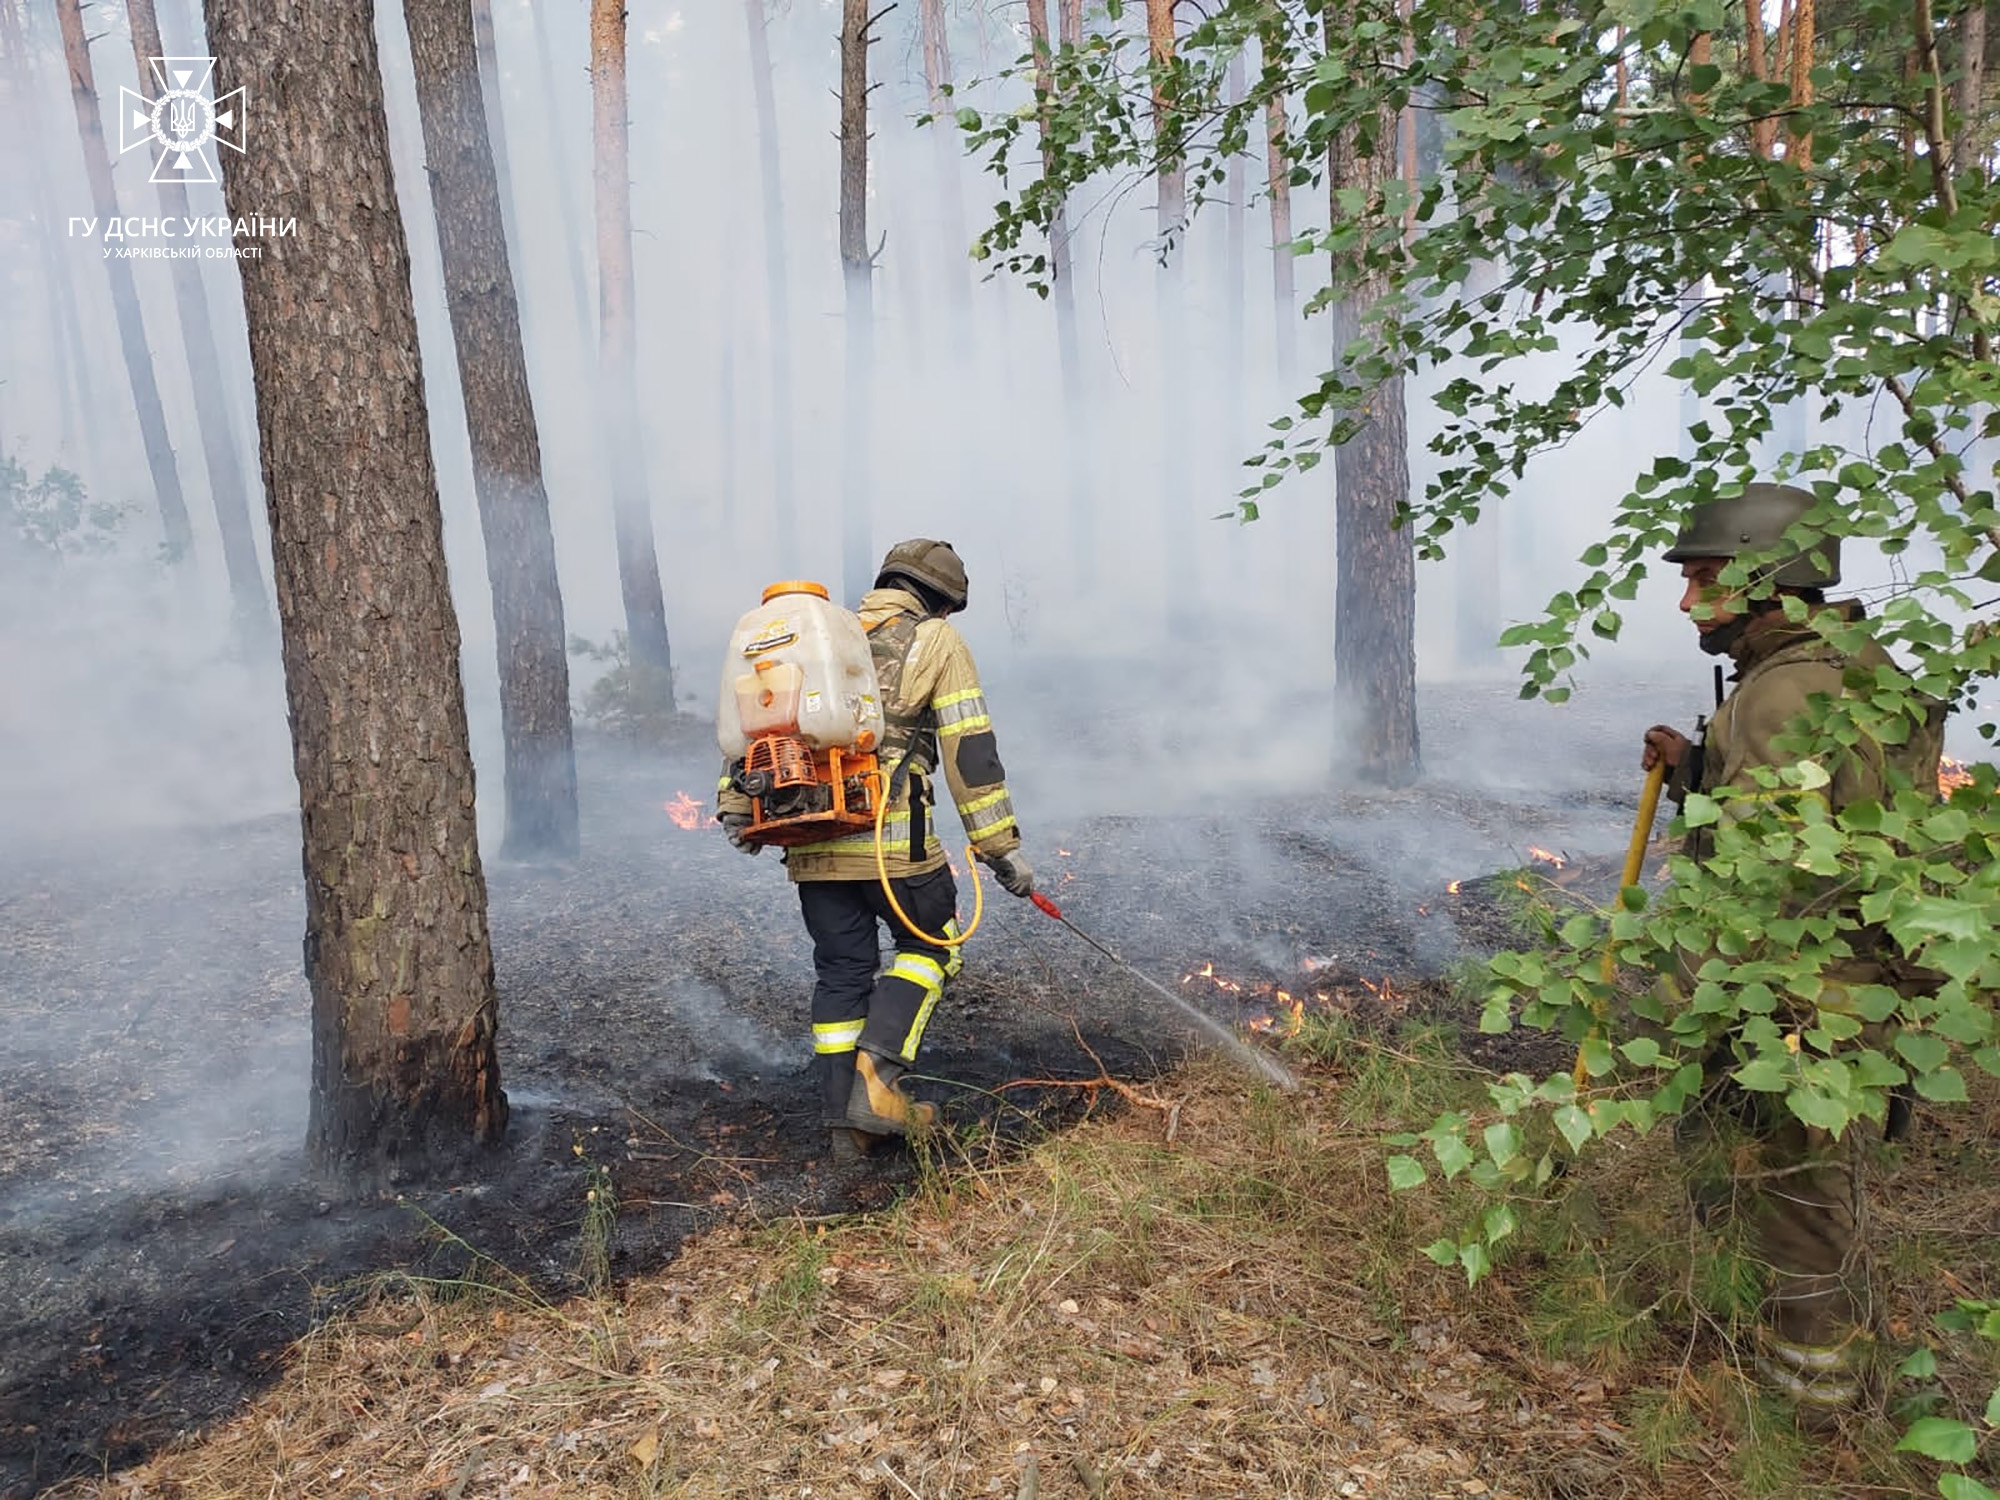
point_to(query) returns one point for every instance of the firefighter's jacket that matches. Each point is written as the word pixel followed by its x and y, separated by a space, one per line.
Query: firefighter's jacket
pixel 935 717
pixel 1780 668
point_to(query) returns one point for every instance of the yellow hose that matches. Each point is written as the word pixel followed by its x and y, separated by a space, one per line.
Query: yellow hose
pixel 882 872
pixel 1635 864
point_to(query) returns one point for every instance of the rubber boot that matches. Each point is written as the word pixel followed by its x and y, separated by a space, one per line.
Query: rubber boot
pixel 848 1148
pixel 877 1106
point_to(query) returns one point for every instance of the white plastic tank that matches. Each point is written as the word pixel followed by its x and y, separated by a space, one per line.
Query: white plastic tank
pixel 799 664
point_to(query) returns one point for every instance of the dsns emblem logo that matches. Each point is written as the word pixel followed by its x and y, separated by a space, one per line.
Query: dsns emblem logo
pixel 184 119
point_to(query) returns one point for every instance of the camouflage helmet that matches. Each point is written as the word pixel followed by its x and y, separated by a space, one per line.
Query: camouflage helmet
pixel 1756 521
pixel 933 564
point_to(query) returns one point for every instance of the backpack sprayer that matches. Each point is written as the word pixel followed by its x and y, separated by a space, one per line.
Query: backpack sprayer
pixel 799 723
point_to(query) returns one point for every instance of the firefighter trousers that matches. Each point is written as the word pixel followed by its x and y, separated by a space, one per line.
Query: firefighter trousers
pixel 855 1003
pixel 1798 1194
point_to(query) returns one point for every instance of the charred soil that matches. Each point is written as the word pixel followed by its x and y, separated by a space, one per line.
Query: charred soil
pixel 160 1247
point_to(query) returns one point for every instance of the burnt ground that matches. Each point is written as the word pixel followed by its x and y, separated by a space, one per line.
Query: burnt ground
pixel 160 1246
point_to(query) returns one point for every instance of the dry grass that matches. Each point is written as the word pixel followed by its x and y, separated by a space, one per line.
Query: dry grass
pixel 1217 1300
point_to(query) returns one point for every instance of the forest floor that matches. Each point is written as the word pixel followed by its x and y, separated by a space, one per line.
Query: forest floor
pixel 1117 1271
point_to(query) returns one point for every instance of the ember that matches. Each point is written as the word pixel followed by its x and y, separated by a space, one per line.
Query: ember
pixel 1952 774
pixel 684 810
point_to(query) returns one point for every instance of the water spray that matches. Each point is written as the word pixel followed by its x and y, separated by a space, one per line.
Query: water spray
pixel 1253 1058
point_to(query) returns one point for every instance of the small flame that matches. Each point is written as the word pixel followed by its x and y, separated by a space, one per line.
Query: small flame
pixel 684 810
pixel 1546 857
pixel 1207 971
pixel 1294 1017
pixel 1063 853
pixel 1452 889
pixel 1952 774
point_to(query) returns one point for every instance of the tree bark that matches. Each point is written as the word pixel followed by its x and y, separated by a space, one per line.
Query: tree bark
pixel 1172 173
pixel 777 283
pixel 405 1076
pixel 1375 573
pixel 1969 92
pixel 651 662
pixel 1233 262
pixel 554 121
pixel 1800 149
pixel 857 276
pixel 1177 511
pixel 1061 291
pixel 496 116
pixel 179 535
pixel 229 492
pixel 500 414
pixel 951 188
pixel 1278 179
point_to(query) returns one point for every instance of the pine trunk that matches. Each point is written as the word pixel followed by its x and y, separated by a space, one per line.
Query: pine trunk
pixel 1172 173
pixel 178 535
pixel 1278 177
pixel 950 185
pixel 1375 574
pixel 857 275
pixel 229 492
pixel 652 665
pixel 1969 93
pixel 1178 517
pixel 405 1076
pixel 1076 465
pixel 1233 265
pixel 506 446
pixel 777 282
pixel 496 115
pixel 555 122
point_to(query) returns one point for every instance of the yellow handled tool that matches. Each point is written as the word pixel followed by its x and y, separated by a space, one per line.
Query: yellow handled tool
pixel 1635 864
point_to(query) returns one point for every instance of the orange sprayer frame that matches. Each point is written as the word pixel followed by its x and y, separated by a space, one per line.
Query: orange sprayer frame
pixel 848 774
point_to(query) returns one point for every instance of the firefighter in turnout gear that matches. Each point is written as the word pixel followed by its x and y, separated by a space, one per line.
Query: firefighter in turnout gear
pixel 1803 1198
pixel 868 1027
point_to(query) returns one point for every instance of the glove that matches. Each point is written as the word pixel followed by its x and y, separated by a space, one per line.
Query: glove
pixel 1015 874
pixel 733 824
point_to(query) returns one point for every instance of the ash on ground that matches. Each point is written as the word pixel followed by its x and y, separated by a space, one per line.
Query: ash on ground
pixel 160 1244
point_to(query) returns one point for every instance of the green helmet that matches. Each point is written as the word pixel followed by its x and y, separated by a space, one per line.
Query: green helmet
pixel 932 564
pixel 1756 521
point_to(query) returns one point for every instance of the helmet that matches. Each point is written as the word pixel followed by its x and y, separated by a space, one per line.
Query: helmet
pixel 1756 521
pixel 932 564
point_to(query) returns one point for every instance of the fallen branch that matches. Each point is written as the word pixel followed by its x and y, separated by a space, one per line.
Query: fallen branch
pixel 1103 1080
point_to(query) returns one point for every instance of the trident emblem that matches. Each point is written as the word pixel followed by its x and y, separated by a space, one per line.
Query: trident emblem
pixel 183 119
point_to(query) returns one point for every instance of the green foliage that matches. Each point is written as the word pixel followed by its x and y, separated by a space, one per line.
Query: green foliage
pixel 1594 190
pixel 51 518
pixel 621 701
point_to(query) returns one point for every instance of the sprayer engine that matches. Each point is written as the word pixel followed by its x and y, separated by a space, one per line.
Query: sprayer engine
pixel 799 795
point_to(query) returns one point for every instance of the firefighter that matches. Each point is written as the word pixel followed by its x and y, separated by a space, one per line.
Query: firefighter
pixel 1803 1201
pixel 868 1028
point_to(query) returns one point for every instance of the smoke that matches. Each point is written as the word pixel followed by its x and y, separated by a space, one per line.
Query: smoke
pixel 128 710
